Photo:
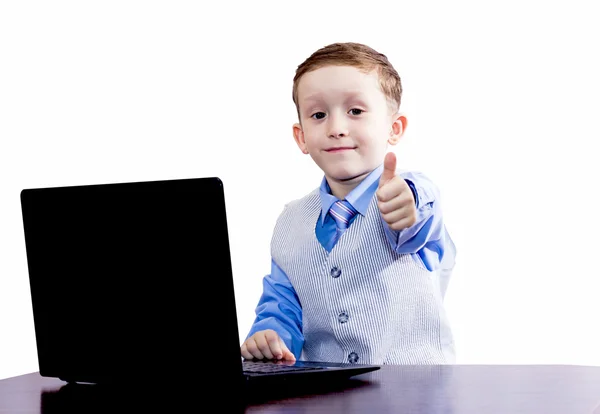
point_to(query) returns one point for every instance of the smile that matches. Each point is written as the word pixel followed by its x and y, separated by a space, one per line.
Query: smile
pixel 340 149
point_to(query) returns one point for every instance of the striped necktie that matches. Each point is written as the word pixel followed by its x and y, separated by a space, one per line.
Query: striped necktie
pixel 342 212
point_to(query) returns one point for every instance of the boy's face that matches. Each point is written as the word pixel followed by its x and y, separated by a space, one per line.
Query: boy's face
pixel 345 122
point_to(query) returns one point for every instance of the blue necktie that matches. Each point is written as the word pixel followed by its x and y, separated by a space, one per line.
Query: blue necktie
pixel 342 212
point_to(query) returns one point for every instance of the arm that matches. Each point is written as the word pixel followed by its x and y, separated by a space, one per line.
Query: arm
pixel 411 214
pixel 279 309
pixel 427 240
pixel 426 237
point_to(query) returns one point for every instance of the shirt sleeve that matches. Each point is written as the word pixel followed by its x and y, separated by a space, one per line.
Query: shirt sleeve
pixel 426 238
pixel 279 309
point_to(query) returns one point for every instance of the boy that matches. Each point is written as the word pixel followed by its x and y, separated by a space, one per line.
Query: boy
pixel 359 265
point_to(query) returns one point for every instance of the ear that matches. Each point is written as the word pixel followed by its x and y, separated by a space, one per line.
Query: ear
pixel 299 138
pixel 399 123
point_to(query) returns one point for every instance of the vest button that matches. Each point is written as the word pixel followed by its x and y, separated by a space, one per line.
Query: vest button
pixel 336 272
pixel 343 317
pixel 352 357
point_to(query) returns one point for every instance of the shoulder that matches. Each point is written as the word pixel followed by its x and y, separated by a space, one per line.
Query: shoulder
pixel 296 215
pixel 301 204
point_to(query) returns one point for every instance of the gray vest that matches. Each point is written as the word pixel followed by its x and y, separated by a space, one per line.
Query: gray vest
pixel 362 302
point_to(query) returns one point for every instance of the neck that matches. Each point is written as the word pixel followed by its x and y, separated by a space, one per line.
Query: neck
pixel 341 188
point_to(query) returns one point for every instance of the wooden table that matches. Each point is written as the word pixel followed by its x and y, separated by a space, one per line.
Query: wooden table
pixel 452 389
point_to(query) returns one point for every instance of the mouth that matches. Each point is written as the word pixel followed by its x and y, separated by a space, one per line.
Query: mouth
pixel 339 149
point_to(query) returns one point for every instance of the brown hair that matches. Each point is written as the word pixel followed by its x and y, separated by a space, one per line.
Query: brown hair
pixel 359 56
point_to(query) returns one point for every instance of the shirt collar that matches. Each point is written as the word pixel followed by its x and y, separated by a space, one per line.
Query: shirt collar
pixel 359 198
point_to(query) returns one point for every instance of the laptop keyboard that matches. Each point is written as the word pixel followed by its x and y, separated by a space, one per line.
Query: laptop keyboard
pixel 268 367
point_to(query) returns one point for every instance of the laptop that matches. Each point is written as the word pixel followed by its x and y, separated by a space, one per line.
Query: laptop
pixel 131 284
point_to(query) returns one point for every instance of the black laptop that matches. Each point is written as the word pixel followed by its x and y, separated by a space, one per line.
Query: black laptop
pixel 131 283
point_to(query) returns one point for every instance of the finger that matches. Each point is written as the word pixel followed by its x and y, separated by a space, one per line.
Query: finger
pixel 263 345
pixel 274 342
pixel 401 218
pixel 250 349
pixel 402 224
pixel 392 189
pixel 287 355
pixel 400 203
pixel 389 168
pixel 395 201
pixel 245 353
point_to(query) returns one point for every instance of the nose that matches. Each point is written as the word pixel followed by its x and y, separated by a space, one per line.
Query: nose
pixel 337 126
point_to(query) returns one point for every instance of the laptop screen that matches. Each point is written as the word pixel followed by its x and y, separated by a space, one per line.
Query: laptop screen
pixel 132 282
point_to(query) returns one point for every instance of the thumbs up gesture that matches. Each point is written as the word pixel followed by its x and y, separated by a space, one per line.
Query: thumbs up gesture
pixel 395 199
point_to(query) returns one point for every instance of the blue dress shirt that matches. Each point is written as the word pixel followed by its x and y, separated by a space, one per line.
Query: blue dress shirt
pixel 426 241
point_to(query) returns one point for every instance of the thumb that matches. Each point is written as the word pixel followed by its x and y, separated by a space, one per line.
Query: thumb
pixel 389 168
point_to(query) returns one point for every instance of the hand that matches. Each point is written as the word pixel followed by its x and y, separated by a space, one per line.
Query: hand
pixel 395 198
pixel 266 345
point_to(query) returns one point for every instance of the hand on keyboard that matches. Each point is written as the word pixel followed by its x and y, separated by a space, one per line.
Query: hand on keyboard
pixel 266 344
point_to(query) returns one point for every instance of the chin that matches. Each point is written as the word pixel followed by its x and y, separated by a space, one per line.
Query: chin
pixel 349 176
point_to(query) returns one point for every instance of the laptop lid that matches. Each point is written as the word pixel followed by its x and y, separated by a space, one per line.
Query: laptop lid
pixel 132 282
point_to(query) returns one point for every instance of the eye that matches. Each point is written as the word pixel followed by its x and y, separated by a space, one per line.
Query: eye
pixel 356 111
pixel 318 115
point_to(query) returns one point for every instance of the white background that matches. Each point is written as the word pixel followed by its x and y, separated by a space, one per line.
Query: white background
pixel 503 108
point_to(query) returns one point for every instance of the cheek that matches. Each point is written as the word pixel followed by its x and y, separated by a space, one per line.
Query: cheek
pixel 381 131
pixel 374 141
pixel 311 135
pixel 371 134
